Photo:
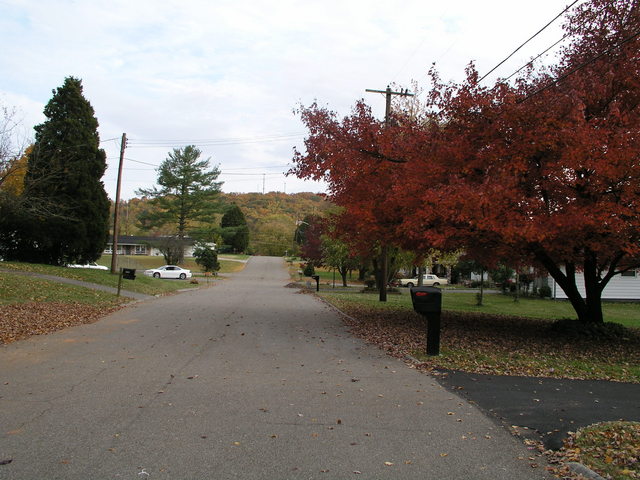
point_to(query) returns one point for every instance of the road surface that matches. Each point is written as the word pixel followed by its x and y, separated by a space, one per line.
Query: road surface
pixel 247 379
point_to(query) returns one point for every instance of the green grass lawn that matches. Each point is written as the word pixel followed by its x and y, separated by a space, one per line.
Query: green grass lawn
pixel 145 262
pixel 501 337
pixel 23 289
pixel 627 314
pixel 142 283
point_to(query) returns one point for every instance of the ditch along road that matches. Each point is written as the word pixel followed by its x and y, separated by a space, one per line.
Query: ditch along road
pixel 247 379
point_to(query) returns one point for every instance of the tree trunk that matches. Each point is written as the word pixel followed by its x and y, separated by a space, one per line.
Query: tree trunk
pixel 343 273
pixel 589 309
pixel 420 276
pixel 593 287
pixel 361 273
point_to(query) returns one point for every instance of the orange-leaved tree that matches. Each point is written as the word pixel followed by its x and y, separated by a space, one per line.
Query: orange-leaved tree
pixel 545 169
pixel 550 167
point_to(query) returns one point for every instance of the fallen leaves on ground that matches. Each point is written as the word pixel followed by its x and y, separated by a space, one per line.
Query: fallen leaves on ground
pixel 501 345
pixel 611 449
pixel 23 320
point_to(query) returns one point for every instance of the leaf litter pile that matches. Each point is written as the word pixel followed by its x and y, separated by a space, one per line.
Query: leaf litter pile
pixel 611 449
pixel 501 345
pixel 480 343
pixel 22 320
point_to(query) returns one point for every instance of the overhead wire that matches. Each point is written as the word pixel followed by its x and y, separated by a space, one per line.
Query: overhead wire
pixel 212 142
pixel 527 41
pixel 580 67
pixel 530 62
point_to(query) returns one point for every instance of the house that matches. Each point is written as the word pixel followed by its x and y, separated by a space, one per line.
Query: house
pixel 623 287
pixel 146 245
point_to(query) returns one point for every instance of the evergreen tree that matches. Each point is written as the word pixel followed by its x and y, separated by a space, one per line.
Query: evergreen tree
pixel 64 172
pixel 207 258
pixel 233 217
pixel 186 194
pixel 234 229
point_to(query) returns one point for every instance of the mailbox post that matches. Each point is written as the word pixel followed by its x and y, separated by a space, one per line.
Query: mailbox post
pixel 317 279
pixel 128 273
pixel 427 301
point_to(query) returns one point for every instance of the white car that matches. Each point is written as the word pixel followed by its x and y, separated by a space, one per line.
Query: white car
pixel 168 271
pixel 428 280
pixel 93 265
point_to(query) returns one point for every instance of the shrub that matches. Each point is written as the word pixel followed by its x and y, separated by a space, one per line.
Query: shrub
pixel 544 291
pixel 571 328
pixel 309 270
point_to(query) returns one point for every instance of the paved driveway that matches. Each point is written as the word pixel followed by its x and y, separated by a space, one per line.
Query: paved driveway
pixel 247 379
pixel 547 409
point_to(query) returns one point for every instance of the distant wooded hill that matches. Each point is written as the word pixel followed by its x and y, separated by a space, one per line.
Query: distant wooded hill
pixel 271 217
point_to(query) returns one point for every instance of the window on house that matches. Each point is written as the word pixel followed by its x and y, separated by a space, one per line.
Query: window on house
pixel 629 273
pixel 141 249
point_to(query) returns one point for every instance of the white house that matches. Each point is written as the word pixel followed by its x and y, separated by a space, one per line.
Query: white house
pixel 621 287
pixel 139 245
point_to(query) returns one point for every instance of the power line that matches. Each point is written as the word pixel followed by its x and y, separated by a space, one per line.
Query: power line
pixel 213 142
pixel 580 67
pixel 536 57
pixel 226 172
pixel 527 41
pixel 140 161
pixel 260 167
pixel 253 174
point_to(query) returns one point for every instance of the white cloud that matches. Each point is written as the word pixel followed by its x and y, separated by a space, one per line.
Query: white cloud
pixel 195 70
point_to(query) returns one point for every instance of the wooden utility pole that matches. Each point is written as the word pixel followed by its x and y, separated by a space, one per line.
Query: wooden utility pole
pixel 387 119
pixel 116 208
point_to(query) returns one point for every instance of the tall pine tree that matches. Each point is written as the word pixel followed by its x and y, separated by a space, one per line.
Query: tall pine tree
pixel 65 168
pixel 234 229
pixel 187 194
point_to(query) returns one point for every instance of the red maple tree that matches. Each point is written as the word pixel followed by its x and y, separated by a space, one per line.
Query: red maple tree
pixel 545 170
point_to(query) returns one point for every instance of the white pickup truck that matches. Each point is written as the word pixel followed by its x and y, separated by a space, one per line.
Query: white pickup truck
pixel 428 280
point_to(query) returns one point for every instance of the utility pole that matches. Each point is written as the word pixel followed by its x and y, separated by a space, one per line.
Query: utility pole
pixel 116 208
pixel 384 254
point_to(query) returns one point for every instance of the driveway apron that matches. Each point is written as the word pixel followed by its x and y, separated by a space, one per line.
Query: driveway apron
pixel 246 379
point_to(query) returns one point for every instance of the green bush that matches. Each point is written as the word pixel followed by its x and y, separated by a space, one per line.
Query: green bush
pixel 309 270
pixel 477 283
pixel 572 328
pixel 544 291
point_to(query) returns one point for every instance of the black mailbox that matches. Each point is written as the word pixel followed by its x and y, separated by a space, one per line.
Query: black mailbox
pixel 317 279
pixel 426 299
pixel 129 273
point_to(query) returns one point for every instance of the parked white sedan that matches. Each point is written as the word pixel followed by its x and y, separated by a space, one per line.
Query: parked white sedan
pixel 429 280
pixel 168 271
pixel 92 265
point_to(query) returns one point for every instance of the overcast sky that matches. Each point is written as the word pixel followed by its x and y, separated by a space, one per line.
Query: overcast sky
pixel 226 75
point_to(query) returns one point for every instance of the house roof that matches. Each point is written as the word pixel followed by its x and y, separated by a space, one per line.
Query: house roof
pixel 143 240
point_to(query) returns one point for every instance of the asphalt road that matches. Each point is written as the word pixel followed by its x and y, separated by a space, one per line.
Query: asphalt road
pixel 547 409
pixel 247 379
